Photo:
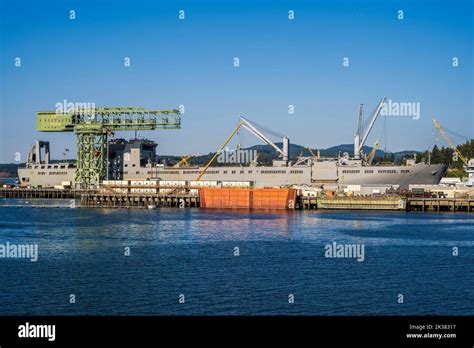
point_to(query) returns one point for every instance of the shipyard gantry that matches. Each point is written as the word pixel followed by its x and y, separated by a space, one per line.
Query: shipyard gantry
pixel 94 126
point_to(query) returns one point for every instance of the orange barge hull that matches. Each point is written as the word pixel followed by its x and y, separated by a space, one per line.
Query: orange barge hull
pixel 247 198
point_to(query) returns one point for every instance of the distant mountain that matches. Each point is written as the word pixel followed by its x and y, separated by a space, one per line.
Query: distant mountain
pixel 8 170
pixel 268 153
pixel 349 148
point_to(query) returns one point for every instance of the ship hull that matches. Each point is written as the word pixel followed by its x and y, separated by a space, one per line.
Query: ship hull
pixel 401 176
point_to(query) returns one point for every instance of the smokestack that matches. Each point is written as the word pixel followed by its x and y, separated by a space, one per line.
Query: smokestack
pixel 46 152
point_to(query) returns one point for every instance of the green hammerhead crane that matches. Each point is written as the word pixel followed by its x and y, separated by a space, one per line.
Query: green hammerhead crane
pixel 92 128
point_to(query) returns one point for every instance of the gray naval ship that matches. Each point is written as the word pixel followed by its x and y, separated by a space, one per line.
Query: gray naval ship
pixel 136 159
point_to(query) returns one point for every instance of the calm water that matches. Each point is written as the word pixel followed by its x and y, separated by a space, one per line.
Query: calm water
pixel 191 252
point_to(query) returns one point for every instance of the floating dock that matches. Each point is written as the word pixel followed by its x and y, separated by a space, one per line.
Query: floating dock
pixel 248 198
pixel 362 203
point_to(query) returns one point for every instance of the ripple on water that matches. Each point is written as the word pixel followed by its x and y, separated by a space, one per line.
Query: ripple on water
pixel 191 251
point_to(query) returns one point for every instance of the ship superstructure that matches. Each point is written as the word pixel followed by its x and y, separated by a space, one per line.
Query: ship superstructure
pixel 40 172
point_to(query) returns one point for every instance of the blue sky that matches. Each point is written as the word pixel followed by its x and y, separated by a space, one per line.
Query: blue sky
pixel 282 62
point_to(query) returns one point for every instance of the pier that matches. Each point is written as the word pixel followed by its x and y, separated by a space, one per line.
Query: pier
pixel 393 203
pixel 186 199
pixel 440 204
pixel 46 193
pixel 116 200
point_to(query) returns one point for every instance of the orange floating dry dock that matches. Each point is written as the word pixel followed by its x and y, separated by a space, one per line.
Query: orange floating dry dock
pixel 247 198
